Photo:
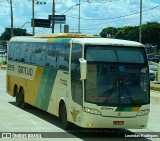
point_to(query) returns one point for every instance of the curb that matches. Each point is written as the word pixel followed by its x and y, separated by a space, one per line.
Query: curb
pixel 3 66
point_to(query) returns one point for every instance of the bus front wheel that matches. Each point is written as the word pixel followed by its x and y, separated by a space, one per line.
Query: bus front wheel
pixel 63 117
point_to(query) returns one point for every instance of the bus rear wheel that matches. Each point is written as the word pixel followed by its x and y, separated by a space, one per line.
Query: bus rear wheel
pixel 21 99
pixel 17 97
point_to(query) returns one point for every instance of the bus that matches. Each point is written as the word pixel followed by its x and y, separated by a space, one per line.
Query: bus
pixel 86 81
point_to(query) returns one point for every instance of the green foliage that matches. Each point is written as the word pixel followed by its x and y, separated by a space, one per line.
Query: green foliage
pixel 108 31
pixel 3 63
pixel 6 35
pixel 150 33
pixel 128 33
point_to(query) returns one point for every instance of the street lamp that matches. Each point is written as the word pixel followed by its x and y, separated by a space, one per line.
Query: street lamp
pixel 66 12
pixel 23 26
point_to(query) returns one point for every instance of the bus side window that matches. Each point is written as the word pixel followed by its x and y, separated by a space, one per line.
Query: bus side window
pixel 62 56
pixel 15 49
pixel 38 52
pixel 30 55
pixel 51 55
pixel 44 55
pixel 11 51
pixel 22 52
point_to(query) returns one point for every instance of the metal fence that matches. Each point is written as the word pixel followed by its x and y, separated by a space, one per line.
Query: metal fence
pixel 3 51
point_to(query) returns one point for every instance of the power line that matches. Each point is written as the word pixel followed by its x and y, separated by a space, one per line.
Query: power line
pixel 127 15
pixel 124 15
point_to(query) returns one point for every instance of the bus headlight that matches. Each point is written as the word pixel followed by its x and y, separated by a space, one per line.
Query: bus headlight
pixel 143 112
pixel 91 111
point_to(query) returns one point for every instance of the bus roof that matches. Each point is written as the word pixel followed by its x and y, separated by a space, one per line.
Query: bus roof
pixel 108 41
pixel 76 38
pixel 64 35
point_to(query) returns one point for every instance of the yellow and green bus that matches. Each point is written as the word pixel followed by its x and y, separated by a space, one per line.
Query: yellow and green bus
pixel 90 82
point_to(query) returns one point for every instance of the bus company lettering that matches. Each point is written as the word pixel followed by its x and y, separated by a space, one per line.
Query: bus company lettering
pixel 101 98
pixel 25 70
pixel 62 81
pixel 10 67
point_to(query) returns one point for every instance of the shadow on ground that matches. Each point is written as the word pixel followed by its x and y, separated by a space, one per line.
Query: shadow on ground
pixel 81 133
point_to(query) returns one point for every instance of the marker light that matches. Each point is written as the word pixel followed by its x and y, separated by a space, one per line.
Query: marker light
pixel 91 111
pixel 143 112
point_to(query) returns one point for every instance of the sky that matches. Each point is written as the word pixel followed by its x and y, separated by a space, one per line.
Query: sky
pixel 95 15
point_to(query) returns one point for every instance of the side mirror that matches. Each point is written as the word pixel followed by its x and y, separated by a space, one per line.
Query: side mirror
pixel 83 68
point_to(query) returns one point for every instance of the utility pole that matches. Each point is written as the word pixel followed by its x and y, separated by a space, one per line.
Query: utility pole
pixel 140 26
pixel 33 19
pixel 79 17
pixel 11 18
pixel 33 25
pixel 53 12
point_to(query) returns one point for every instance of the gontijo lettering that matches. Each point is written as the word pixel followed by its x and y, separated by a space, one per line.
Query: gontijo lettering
pixel 25 70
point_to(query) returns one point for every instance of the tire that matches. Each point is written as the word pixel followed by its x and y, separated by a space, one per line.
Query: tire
pixel 63 117
pixel 21 97
pixel 17 97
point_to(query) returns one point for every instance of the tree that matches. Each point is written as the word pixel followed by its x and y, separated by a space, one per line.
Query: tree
pixel 151 33
pixel 128 33
pixel 108 32
pixel 6 35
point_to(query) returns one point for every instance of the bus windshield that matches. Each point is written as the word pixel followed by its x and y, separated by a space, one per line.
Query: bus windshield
pixel 115 54
pixel 116 76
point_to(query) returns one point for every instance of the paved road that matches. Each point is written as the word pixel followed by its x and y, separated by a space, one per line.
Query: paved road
pixel 14 119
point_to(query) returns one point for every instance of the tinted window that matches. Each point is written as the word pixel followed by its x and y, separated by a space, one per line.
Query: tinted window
pixel 62 56
pixel 54 55
pixel 30 53
pixel 115 54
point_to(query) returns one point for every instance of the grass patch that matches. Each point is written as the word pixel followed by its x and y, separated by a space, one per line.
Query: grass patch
pixel 3 63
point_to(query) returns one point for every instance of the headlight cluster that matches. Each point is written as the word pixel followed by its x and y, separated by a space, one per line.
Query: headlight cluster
pixel 91 111
pixel 143 112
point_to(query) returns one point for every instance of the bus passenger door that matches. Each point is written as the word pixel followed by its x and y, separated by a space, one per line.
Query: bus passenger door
pixel 76 83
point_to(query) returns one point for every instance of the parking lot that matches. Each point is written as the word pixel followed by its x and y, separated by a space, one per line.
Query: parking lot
pixel 37 123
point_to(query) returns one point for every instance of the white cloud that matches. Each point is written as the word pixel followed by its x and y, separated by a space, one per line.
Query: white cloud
pixel 98 10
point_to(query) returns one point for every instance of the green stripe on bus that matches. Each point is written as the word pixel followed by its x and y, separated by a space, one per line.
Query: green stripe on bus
pixel 124 109
pixel 65 40
pixel 62 40
pixel 45 88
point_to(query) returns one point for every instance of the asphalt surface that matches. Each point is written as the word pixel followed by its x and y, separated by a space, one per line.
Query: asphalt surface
pixel 34 122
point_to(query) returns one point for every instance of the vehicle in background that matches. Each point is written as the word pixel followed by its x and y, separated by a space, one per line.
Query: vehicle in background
pixel 152 71
pixel 2 52
pixel 152 58
pixel 152 75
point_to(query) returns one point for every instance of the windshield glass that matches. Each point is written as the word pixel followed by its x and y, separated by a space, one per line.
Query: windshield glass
pixel 110 83
pixel 115 54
